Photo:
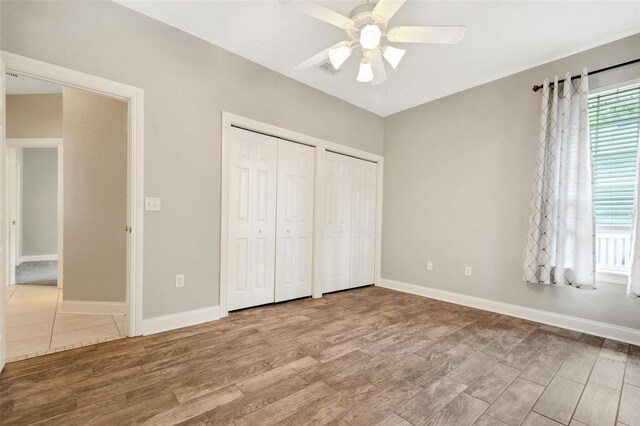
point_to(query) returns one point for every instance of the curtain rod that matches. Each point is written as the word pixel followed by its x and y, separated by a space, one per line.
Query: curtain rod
pixel 612 67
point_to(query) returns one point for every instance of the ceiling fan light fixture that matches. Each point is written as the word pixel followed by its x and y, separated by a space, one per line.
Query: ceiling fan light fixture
pixel 393 55
pixel 370 37
pixel 338 55
pixel 365 27
pixel 365 74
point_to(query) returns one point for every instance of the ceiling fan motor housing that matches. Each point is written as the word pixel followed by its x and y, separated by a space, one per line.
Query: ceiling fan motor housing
pixel 361 17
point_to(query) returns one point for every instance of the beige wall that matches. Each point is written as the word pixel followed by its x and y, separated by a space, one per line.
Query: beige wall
pixel 188 83
pixel 39 211
pixel 458 181
pixel 34 116
pixel 95 197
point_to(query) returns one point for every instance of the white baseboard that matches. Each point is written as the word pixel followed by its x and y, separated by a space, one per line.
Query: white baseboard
pixel 609 331
pixel 179 320
pixel 37 258
pixel 95 308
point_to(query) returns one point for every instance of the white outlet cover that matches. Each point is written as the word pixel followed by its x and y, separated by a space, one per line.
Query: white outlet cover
pixel 429 266
pixel 152 204
pixel 467 271
pixel 179 281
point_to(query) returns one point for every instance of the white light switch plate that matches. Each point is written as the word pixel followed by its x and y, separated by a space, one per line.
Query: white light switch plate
pixel 429 266
pixel 179 281
pixel 152 204
pixel 467 271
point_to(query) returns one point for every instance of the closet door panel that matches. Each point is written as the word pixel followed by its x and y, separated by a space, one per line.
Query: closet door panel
pixel 294 220
pixel 363 222
pixel 337 222
pixel 252 170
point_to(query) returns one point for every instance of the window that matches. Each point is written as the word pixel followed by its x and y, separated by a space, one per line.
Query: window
pixel 614 120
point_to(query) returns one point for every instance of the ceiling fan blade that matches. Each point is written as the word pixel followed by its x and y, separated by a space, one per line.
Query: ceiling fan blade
pixel 379 73
pixel 320 57
pixel 321 12
pixel 385 9
pixel 427 34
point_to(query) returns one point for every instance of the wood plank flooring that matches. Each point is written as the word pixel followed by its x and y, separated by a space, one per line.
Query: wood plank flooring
pixel 363 357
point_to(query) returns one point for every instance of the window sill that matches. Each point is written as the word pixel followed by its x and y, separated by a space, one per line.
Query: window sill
pixel 612 277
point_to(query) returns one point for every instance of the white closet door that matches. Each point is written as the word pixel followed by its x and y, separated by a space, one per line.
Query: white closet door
pixel 294 230
pixel 363 222
pixel 337 230
pixel 252 170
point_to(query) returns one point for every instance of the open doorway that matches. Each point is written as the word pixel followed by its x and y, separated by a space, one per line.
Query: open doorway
pixel 34 208
pixel 134 226
pixel 66 155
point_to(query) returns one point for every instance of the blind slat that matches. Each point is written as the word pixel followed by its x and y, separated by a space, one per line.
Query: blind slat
pixel 614 122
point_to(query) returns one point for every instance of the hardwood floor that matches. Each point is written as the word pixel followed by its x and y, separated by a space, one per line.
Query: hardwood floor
pixel 363 357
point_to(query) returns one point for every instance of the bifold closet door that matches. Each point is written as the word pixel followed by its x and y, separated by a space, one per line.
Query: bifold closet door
pixel 252 172
pixel 294 228
pixel 337 231
pixel 363 222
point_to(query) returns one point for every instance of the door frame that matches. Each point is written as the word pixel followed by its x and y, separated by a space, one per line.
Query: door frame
pixel 320 145
pixel 134 97
pixel 12 145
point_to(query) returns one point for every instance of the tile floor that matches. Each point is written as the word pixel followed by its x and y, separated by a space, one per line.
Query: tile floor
pixel 36 327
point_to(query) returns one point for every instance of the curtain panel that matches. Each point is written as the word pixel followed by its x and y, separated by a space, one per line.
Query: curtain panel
pixel 561 241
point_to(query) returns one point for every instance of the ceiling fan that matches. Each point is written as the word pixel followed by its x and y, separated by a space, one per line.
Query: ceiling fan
pixel 366 27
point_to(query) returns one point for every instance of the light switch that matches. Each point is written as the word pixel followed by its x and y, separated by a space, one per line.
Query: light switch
pixel 467 271
pixel 152 204
pixel 179 281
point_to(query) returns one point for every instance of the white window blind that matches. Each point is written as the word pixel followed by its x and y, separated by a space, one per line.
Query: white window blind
pixel 614 120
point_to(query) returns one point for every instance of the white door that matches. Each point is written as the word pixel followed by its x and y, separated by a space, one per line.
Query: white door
pixel 252 173
pixel 3 221
pixel 13 205
pixel 337 230
pixel 363 222
pixel 294 230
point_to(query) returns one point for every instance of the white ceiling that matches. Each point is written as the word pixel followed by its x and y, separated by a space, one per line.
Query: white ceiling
pixel 21 85
pixel 502 38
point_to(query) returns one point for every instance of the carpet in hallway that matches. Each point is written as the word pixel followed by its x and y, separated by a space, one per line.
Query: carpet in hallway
pixel 37 273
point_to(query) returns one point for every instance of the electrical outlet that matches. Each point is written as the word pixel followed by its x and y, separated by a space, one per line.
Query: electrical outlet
pixel 152 204
pixel 467 271
pixel 179 281
pixel 429 265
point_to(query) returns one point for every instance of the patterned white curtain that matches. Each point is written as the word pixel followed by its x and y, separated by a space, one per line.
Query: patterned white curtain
pixel 560 246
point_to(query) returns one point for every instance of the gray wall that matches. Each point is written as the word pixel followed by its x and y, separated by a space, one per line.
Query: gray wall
pixel 188 83
pixel 458 181
pixel 463 163
pixel 95 197
pixel 39 224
